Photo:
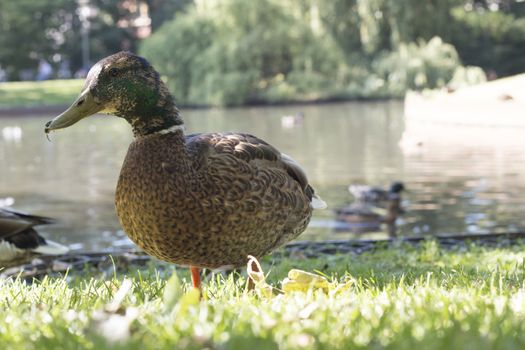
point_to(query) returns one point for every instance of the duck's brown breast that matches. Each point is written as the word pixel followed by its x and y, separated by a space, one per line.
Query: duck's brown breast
pixel 183 206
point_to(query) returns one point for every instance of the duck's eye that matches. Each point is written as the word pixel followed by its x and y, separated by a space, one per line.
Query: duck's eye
pixel 113 72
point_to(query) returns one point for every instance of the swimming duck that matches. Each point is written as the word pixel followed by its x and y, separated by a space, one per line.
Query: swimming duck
pixel 375 195
pixel 359 212
pixel 202 200
pixel 19 241
pixel 364 217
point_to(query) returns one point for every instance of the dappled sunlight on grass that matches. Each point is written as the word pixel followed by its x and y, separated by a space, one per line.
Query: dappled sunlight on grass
pixel 398 298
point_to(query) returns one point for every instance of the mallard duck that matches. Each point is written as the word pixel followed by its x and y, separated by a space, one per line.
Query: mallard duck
pixel 19 241
pixel 362 213
pixel 202 200
pixel 364 217
pixel 375 195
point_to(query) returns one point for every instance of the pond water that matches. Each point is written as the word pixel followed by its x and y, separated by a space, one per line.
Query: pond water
pixel 454 187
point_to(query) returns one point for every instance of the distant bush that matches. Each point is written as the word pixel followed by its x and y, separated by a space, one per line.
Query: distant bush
pixel 425 65
pixel 244 52
pixel 494 40
pixel 465 76
pixel 234 52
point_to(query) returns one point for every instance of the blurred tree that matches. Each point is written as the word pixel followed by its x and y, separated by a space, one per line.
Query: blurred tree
pixel 491 34
pixel 31 31
pixel 270 48
pixel 235 51
pixel 50 30
pixel 164 10
pixel 487 33
pixel 232 52
pixel 411 20
pixel 341 19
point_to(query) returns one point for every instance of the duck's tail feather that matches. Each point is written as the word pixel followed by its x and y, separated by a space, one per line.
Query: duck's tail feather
pixel 35 219
pixel 51 248
pixel 317 202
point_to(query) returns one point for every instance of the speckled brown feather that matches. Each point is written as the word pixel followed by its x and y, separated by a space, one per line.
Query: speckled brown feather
pixel 209 200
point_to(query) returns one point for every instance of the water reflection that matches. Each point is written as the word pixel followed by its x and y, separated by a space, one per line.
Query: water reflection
pixel 452 189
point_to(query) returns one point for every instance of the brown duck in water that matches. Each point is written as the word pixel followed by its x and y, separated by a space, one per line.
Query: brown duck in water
pixel 203 200
pixel 359 212
pixel 362 217
pixel 19 241
pixel 376 195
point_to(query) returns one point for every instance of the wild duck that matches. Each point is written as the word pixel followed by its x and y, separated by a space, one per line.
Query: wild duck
pixel 202 200
pixel 19 241
pixel 364 217
pixel 375 195
pixel 362 213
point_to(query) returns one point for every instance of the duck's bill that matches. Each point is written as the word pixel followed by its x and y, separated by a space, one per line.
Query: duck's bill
pixel 84 106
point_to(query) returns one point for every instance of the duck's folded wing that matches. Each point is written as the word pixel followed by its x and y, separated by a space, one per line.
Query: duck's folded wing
pixel 250 149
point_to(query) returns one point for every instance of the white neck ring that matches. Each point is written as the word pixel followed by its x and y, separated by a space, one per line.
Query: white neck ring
pixel 171 129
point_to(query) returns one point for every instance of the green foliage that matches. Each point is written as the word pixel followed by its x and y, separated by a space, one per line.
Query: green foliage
pixel 29 31
pixel 397 298
pixel 233 52
pixel 164 10
pixel 494 40
pixel 489 34
pixel 412 20
pixel 194 34
pixel 51 30
pixel 465 76
pixel 226 54
pixel 417 66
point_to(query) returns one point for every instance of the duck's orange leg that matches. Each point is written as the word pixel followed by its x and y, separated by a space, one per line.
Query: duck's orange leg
pixel 195 277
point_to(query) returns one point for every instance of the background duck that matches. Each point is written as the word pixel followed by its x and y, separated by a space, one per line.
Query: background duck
pixel 375 195
pixel 359 212
pixel 19 241
pixel 202 200
pixel 364 217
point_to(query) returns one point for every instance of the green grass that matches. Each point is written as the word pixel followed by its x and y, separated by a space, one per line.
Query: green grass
pixel 39 93
pixel 401 298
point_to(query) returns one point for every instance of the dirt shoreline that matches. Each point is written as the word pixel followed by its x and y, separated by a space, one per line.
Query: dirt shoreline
pixel 111 259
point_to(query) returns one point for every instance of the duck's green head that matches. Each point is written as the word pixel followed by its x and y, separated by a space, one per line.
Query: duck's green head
pixel 127 86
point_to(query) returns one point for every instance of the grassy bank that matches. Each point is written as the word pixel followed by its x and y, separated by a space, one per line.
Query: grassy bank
pixel 24 94
pixel 404 297
pixel 32 95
